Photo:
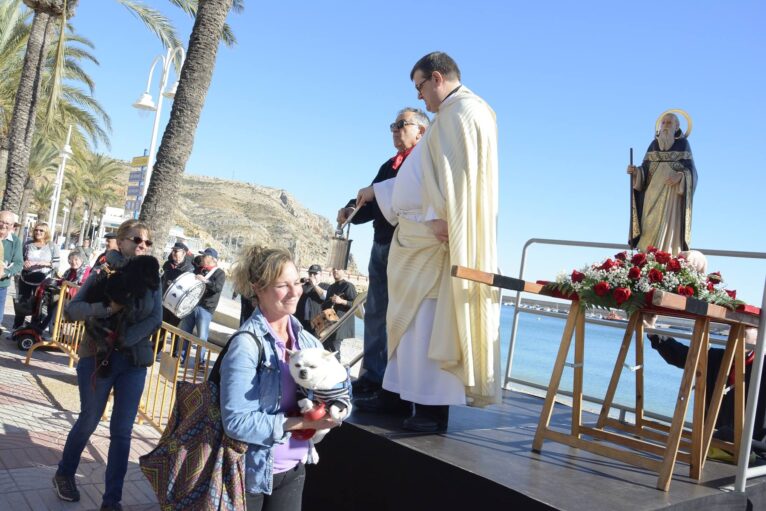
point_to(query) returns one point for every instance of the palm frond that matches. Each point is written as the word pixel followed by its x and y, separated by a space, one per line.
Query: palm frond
pixel 154 21
pixel 73 71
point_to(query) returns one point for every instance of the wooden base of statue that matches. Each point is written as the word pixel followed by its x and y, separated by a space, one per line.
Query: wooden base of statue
pixel 647 443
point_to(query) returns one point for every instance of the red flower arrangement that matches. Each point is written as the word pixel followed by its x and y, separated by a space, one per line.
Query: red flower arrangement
pixel 625 280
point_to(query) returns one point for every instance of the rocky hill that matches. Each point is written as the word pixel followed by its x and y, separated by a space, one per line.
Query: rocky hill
pixel 230 214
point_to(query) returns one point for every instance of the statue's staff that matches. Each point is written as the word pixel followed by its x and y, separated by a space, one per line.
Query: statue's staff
pixel 630 189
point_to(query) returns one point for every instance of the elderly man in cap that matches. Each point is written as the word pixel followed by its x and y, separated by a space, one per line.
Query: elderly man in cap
pixel 214 279
pixel 111 244
pixel 11 260
pixel 176 265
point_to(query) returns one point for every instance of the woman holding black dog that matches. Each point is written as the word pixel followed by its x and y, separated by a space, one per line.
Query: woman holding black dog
pixel 257 391
pixel 122 310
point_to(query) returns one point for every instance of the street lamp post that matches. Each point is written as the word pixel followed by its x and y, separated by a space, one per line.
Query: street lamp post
pixel 63 224
pixel 65 153
pixel 145 102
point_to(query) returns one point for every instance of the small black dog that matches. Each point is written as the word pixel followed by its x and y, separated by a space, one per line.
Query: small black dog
pixel 124 282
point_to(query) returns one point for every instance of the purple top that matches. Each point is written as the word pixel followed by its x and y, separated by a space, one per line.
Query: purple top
pixel 293 451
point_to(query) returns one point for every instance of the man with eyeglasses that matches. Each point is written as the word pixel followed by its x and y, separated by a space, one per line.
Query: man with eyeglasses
pixel 407 130
pixel 310 302
pixel 11 259
pixel 443 332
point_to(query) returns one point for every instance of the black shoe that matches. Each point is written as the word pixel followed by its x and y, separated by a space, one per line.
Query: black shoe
pixel 363 387
pixel 66 488
pixel 111 507
pixel 383 401
pixel 428 419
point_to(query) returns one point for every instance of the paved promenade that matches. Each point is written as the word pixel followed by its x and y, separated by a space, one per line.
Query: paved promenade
pixel 38 405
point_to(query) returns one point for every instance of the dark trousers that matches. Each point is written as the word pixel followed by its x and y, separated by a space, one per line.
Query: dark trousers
pixel 127 381
pixel 375 340
pixel 286 492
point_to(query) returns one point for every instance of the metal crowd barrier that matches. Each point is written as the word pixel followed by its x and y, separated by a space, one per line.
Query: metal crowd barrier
pixel 161 378
pixel 66 335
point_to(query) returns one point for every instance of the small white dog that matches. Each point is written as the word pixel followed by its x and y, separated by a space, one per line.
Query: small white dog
pixel 322 380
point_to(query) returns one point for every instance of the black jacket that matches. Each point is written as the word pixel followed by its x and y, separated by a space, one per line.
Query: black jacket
pixel 309 305
pixel 674 353
pixel 213 288
pixel 383 231
pixel 347 291
pixel 171 271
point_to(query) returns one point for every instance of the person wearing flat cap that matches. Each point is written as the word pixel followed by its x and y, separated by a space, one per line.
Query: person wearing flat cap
pixel 111 244
pixel 199 319
pixel 176 265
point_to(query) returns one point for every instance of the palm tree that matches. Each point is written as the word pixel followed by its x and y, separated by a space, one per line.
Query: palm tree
pixel 22 125
pixel 40 202
pixel 178 138
pixel 14 31
pixel 91 181
pixel 42 164
pixel 75 105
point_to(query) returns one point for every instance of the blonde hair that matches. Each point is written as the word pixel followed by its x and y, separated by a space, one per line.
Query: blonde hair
pixel 46 231
pixel 128 225
pixel 258 268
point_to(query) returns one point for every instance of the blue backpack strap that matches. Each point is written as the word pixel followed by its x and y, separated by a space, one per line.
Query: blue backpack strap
pixel 215 373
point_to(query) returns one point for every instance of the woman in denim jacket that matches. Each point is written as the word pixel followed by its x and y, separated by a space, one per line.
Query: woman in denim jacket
pixel 257 391
pixel 124 378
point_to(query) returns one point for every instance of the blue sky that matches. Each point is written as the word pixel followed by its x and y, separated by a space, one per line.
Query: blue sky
pixel 304 100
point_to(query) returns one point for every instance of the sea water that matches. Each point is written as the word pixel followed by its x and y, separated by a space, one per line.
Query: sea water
pixel 537 343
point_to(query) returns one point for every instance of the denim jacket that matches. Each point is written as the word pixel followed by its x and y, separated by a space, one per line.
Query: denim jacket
pixel 251 394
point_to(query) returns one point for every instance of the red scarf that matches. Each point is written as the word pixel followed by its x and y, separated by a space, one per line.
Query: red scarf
pixel 400 157
pixel 749 358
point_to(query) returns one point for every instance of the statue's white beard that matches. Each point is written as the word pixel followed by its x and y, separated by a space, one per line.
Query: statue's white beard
pixel 665 139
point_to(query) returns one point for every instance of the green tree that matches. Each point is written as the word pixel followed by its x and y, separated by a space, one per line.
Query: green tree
pixel 47 14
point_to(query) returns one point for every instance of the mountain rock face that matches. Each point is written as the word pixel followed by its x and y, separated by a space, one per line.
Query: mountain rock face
pixel 229 215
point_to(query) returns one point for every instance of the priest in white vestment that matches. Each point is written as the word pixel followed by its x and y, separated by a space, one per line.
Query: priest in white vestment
pixel 443 332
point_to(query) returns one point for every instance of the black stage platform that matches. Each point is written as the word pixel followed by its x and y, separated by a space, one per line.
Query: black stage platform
pixel 485 461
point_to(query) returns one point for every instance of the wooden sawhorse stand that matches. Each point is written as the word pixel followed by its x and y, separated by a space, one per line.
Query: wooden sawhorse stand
pixel 660 445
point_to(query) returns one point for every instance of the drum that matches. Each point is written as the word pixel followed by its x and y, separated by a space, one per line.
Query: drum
pixel 183 295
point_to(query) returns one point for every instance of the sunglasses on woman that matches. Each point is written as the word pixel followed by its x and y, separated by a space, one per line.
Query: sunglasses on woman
pixel 138 240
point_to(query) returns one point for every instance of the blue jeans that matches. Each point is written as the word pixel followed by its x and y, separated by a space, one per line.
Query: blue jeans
pixel 3 294
pixel 375 355
pixel 128 384
pixel 200 319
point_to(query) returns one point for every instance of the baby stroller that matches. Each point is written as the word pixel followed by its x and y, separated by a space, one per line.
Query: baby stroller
pixel 41 305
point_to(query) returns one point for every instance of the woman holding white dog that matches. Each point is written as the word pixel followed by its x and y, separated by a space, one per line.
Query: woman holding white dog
pixel 257 391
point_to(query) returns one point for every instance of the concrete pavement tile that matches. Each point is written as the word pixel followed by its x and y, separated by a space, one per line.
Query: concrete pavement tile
pixel 47 499
pixel 33 478
pixel 131 494
pixel 7 484
pixel 13 459
pixel 147 490
pixel 134 473
pixel 14 501
pixel 92 494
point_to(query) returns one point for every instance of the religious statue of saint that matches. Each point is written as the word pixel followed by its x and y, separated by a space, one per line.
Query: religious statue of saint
pixel 663 187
